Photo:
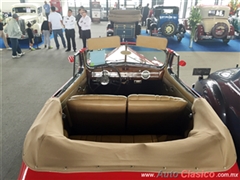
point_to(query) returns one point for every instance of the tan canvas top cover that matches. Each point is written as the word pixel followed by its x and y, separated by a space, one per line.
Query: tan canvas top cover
pixel 125 16
pixel 103 42
pixel 152 42
pixel 208 146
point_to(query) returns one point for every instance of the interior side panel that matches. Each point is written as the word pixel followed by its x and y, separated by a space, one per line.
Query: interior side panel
pixel 72 90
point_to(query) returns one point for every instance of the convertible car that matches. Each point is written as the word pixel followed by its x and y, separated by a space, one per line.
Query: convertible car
pixel 125 114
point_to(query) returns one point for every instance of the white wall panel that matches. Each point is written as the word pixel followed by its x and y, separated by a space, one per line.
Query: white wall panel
pixel 6 5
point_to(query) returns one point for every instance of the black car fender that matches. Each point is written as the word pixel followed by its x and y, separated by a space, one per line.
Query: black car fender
pixel 110 26
pixel 148 23
pixel 152 26
pixel 181 28
pixel 210 90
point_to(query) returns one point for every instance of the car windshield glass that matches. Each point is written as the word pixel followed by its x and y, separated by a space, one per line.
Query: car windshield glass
pixel 126 54
pixel 216 13
pixel 24 10
pixel 167 11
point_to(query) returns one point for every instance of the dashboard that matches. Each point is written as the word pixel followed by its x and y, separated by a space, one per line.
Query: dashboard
pixel 136 72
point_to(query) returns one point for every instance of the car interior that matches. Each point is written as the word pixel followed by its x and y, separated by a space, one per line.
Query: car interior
pixel 149 111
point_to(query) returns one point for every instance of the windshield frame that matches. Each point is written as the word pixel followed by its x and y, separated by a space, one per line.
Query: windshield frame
pixel 26 7
pixel 129 45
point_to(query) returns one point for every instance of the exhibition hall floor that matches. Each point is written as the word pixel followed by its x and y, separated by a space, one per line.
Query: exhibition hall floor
pixel 27 82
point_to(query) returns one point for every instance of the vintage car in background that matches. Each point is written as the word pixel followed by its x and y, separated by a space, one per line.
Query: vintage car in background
pixel 4 15
pixel 125 114
pixel 235 21
pixel 29 12
pixel 124 23
pixel 165 21
pixel 214 24
pixel 222 90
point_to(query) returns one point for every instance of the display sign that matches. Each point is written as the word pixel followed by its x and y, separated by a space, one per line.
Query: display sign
pixel 96 14
pixel 96 5
pixel 57 4
pixel 28 10
pixel 96 11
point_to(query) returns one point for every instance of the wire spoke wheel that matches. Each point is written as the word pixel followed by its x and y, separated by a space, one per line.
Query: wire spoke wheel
pixel 168 29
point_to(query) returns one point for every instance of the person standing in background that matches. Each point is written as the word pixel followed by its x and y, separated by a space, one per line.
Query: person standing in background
pixel 69 24
pixel 13 31
pixel 78 17
pixel 46 34
pixel 55 24
pixel 150 13
pixel 2 35
pixel 46 7
pixel 30 36
pixel 145 12
pixel 85 23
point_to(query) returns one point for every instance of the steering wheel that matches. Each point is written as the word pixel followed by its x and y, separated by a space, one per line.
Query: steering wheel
pixel 105 83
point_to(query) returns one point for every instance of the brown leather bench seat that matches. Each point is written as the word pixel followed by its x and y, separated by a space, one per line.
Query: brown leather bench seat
pixel 154 114
pixel 136 118
pixel 98 114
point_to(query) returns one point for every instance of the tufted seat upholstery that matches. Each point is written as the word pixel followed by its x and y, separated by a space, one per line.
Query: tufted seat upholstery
pixel 154 114
pixel 104 115
pixel 98 114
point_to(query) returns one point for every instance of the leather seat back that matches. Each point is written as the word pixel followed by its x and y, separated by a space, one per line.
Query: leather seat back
pixel 98 114
pixel 154 114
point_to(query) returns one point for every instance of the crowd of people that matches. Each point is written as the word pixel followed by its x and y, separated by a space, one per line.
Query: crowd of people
pixel 146 13
pixel 55 24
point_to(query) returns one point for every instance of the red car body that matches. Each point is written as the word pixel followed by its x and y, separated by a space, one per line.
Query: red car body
pixel 28 174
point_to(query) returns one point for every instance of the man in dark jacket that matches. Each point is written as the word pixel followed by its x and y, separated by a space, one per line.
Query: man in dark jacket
pixel 78 17
pixel 145 12
pixel 46 34
pixel 30 36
